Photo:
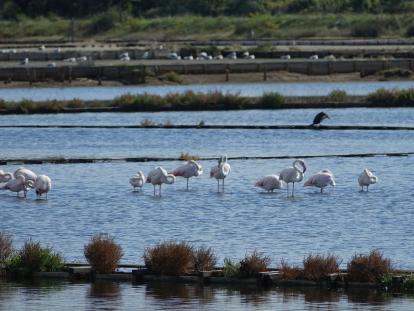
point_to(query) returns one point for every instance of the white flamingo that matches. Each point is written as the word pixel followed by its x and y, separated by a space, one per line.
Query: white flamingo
pixel 321 180
pixel 5 176
pixel 137 180
pixel 18 184
pixel 221 170
pixel 42 185
pixel 293 174
pixel 367 178
pixel 28 174
pixel 270 183
pixel 188 170
pixel 159 176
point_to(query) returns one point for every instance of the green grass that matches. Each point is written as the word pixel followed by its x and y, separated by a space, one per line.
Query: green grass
pixel 288 26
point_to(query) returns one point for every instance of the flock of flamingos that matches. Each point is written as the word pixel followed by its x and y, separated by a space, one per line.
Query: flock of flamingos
pixel 24 179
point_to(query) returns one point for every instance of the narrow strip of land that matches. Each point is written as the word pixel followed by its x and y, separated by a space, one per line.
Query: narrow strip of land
pixel 221 126
pixel 62 160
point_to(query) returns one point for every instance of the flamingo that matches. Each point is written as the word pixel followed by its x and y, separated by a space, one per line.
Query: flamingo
pixel 270 183
pixel 42 185
pixel 5 176
pixel 137 180
pixel 321 180
pixel 28 174
pixel 188 170
pixel 367 178
pixel 221 170
pixel 293 174
pixel 159 176
pixel 18 184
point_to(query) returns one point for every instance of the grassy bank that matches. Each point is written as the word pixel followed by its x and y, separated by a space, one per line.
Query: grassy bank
pixel 289 26
pixel 190 101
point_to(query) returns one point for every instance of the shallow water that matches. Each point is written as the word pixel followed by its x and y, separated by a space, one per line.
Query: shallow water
pixel 92 198
pixel 347 116
pixel 58 295
pixel 252 89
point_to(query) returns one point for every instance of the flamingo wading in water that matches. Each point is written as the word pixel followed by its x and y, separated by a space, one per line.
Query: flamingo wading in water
pixel 159 176
pixel 42 185
pixel 367 178
pixel 18 184
pixel 293 174
pixel 221 170
pixel 188 170
pixel 137 180
pixel 28 175
pixel 321 180
pixel 270 183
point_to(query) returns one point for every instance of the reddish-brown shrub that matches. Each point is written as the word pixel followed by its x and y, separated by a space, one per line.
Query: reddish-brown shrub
pixel 368 268
pixel 253 264
pixel 317 267
pixel 290 272
pixel 169 258
pixel 6 246
pixel 204 259
pixel 102 253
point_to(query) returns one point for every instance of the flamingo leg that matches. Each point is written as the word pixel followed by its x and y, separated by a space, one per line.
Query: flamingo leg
pixel 154 190
pixel 287 189
pixel 223 183
pixel 160 189
pixel 218 185
pixel 321 190
pixel 187 184
pixel 293 189
pixel 367 188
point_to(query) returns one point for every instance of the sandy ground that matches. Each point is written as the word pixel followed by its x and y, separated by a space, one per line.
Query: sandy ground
pixel 272 77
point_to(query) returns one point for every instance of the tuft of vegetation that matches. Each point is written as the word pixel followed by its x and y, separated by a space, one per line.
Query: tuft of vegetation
pixel 368 268
pixel 171 76
pixel 169 258
pixel 187 157
pixel 148 123
pixel 204 259
pixel 396 73
pixel 271 100
pixel 6 247
pixel 392 97
pixel 317 267
pixel 102 253
pixel 254 263
pixel 290 272
pixel 231 269
pixel 408 283
pixel 410 31
pixel 337 96
pixel 367 29
pixel 34 258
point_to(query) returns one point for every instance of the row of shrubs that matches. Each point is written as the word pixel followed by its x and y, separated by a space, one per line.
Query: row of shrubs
pixel 180 258
pixel 197 101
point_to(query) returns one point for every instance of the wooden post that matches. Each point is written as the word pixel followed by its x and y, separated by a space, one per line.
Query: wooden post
pixel 70 74
pixel 227 71
pixel 264 73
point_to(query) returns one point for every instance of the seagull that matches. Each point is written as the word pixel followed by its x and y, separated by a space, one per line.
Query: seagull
pixel 317 120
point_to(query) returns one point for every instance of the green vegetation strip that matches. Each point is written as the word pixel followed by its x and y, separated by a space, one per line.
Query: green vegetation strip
pixel 191 101
pixel 155 159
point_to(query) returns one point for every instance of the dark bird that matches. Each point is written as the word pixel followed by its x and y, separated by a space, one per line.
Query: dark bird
pixel 319 118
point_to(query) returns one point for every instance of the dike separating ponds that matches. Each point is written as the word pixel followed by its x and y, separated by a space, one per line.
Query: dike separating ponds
pixel 136 71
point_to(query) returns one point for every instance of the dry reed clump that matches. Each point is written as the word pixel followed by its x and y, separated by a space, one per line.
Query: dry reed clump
pixel 254 263
pixel 317 267
pixel 102 253
pixel 204 259
pixel 6 246
pixel 187 157
pixel 290 272
pixel 169 258
pixel 368 268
